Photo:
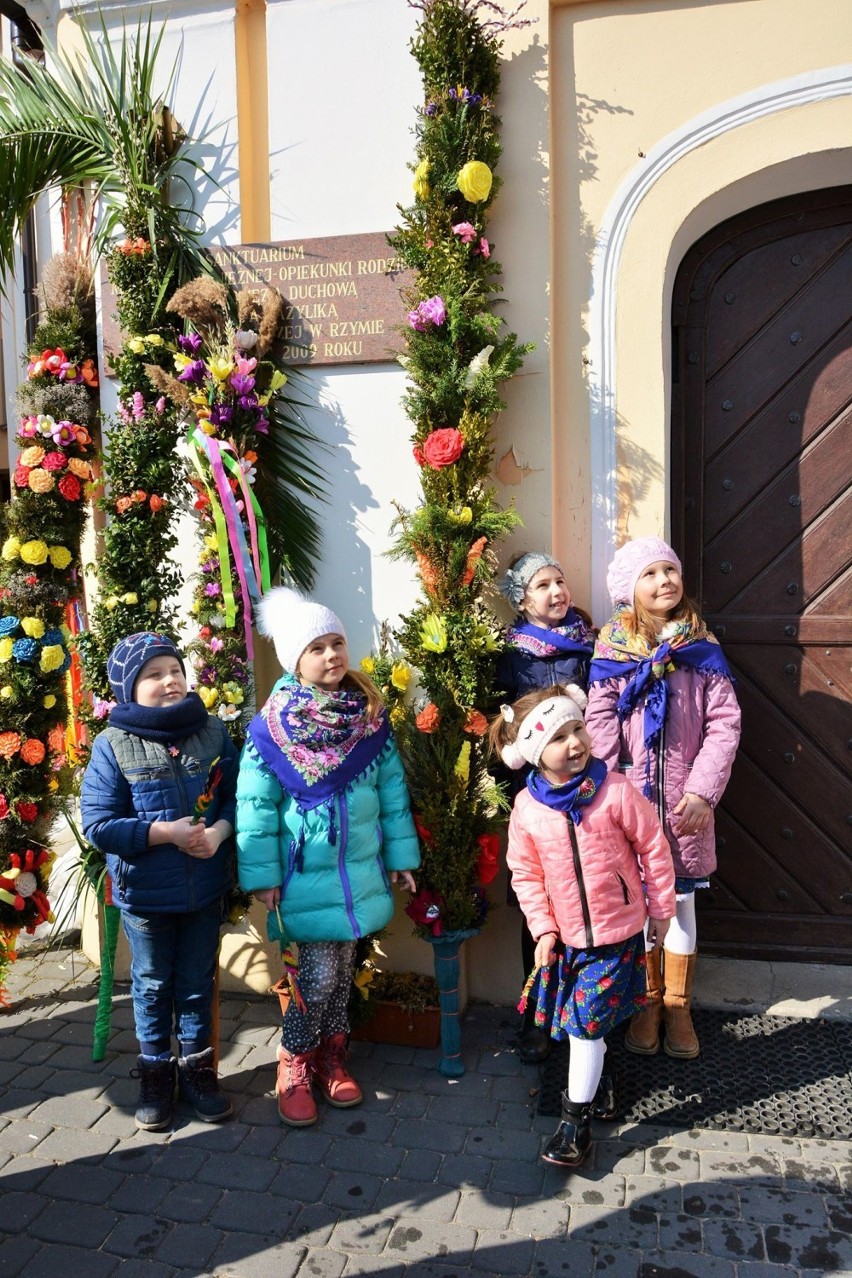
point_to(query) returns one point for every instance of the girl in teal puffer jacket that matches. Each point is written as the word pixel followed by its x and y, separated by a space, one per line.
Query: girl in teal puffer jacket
pixel 323 828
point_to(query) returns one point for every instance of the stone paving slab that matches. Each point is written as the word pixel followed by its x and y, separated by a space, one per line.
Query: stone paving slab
pixel 430 1178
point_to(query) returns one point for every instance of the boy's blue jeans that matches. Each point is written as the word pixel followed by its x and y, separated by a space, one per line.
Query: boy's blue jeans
pixel 172 966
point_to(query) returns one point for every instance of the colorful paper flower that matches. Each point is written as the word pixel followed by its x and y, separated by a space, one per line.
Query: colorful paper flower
pixel 474 181
pixel 430 312
pixel 433 633
pixel 443 447
pixel 429 718
pixel 33 751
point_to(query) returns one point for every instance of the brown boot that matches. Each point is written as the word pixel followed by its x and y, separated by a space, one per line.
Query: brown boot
pixel 643 1032
pixel 681 1039
pixel 336 1083
pixel 296 1104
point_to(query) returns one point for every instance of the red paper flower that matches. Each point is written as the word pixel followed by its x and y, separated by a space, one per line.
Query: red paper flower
pixel 4 807
pixel 26 811
pixel 443 447
pixel 424 834
pixel 426 908
pixel 488 859
pixel 22 476
pixel 69 486
pixel 418 455
pixel 476 723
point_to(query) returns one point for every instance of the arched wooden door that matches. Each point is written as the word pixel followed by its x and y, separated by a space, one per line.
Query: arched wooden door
pixel 762 507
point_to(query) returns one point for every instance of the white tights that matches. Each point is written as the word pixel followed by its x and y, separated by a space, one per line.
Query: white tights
pixel 682 936
pixel 585 1066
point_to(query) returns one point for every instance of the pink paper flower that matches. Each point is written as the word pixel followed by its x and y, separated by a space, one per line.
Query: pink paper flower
pixel 465 231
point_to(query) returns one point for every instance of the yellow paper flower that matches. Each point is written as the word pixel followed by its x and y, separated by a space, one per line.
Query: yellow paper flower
pixel 474 181
pixel 41 481
pixel 152 605
pixel 6 644
pixel 206 426
pixel 52 657
pixel 400 675
pixel 154 339
pixel 221 368
pixel 49 701
pixel 209 696
pixel 433 633
pixel 363 979
pixel 7 691
pixel 211 542
pixel 276 381
pixel 397 716
pixel 421 180
pixel 60 556
pixel 33 626
pixel 33 456
pixel 53 785
pixel 34 552
pixel 136 345
pixel 461 517
pixel 111 602
pixel 368 665
pixel 462 768
pixel 130 598
pixel 233 692
pixel 11 549
pixel 80 468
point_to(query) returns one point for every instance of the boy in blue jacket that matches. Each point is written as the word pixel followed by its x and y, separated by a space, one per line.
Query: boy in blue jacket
pixel 170 872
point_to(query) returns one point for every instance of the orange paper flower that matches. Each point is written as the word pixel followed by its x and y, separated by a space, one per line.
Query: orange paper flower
pixel 429 718
pixel 156 503
pixel 80 468
pixel 33 751
pixel 56 739
pixel 473 557
pixel 41 481
pixel 476 723
pixel 123 504
pixel 10 744
pixel 428 571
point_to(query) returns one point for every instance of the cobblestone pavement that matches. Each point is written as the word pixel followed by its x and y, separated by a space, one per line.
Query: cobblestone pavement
pixel 430 1178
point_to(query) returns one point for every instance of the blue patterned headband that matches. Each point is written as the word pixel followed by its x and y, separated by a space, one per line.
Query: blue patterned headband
pixel 513 586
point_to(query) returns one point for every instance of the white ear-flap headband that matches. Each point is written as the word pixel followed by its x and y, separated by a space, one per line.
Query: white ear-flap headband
pixel 539 727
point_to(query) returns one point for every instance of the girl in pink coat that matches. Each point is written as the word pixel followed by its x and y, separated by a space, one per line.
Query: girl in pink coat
pixel 663 712
pixel 590 863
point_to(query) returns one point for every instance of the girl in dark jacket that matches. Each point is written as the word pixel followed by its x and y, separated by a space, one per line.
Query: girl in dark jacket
pixel 549 642
pixel 170 870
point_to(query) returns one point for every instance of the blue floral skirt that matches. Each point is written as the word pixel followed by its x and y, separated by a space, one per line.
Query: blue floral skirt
pixel 586 993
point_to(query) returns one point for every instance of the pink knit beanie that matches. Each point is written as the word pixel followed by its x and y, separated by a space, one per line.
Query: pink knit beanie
pixel 630 561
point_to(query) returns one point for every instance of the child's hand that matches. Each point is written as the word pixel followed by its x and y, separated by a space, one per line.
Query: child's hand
pixel 545 951
pixel 188 837
pixel 694 813
pixel 270 897
pixel 406 876
pixel 657 929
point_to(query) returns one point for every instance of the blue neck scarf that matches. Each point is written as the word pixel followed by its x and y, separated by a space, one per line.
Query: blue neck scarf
pixel 572 797
pixel 616 656
pixel 166 725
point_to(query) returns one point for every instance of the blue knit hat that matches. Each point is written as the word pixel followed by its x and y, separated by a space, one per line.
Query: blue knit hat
pixel 129 656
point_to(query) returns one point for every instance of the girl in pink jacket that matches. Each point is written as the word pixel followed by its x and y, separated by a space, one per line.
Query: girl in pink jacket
pixel 590 863
pixel 663 712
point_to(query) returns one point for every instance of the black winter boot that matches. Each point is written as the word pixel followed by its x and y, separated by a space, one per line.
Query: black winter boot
pixel 156 1092
pixel 199 1085
pixel 572 1139
pixel 605 1103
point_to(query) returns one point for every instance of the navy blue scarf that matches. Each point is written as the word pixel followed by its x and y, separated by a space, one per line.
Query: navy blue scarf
pixel 648 679
pixel 572 797
pixel 166 725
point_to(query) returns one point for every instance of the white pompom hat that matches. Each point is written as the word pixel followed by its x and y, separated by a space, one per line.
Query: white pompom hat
pixel 292 622
pixel 538 728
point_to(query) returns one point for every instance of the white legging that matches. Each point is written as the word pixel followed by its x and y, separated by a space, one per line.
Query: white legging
pixel 585 1066
pixel 682 936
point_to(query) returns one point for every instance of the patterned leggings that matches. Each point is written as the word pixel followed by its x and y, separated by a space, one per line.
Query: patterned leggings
pixel 325 975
